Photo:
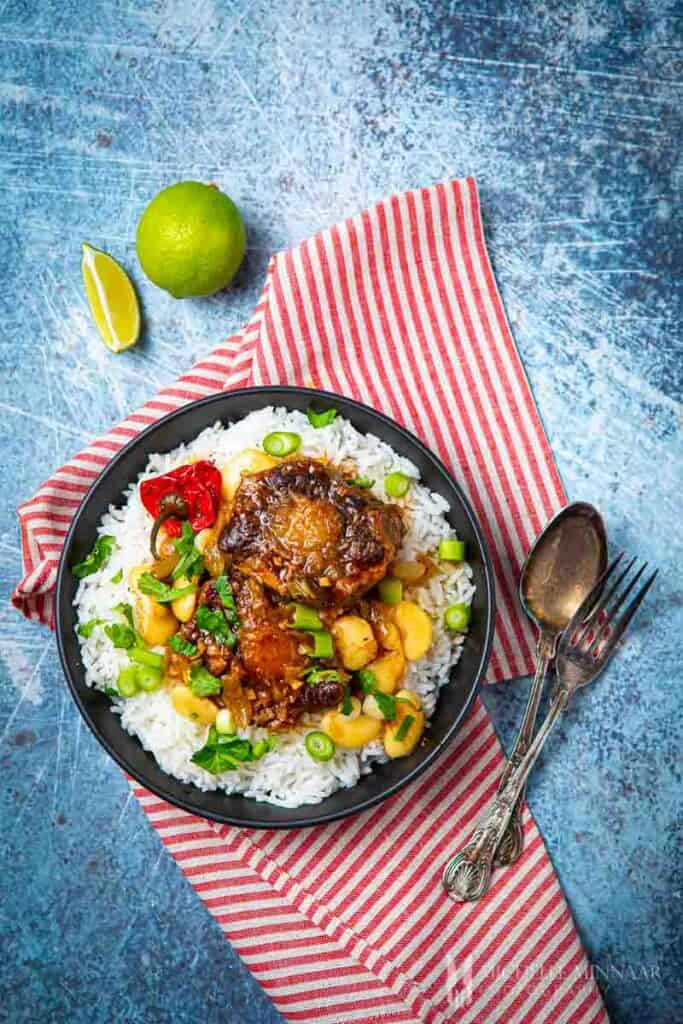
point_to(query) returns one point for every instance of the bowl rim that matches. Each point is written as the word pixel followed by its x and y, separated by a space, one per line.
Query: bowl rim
pixel 303 819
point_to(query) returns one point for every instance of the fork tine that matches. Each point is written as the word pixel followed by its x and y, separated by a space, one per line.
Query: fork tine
pixel 605 596
pixel 584 613
pixel 622 625
pixel 602 626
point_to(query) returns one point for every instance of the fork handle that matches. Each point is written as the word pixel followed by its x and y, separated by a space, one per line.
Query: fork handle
pixel 512 843
pixel 468 875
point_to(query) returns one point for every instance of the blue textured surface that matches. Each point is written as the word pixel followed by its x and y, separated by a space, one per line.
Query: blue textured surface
pixel 569 117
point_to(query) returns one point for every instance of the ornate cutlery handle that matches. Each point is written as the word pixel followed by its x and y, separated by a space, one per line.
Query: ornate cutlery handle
pixel 511 845
pixel 468 875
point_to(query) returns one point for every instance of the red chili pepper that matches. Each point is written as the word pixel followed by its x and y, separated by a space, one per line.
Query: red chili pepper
pixel 198 484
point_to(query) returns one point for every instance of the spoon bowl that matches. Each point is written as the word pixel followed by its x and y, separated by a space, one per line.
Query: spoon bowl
pixel 563 566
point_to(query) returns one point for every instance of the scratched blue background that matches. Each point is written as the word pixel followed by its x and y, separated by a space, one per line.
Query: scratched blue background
pixel 568 115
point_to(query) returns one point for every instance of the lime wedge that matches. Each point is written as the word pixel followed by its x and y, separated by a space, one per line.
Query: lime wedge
pixel 112 299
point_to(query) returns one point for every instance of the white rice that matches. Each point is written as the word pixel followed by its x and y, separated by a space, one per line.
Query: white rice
pixel 287 776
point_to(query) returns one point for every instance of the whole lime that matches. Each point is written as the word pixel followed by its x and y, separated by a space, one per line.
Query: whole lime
pixel 191 239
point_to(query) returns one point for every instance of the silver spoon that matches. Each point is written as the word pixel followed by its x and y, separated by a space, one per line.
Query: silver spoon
pixel 563 566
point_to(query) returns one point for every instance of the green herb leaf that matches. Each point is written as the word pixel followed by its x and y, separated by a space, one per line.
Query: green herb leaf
pixel 150 585
pixel 110 692
pixel 386 703
pixel 347 706
pixel 224 591
pixel 403 728
pixel 223 753
pixel 180 646
pixel 117 577
pixel 367 680
pixel 214 622
pixel 203 684
pixel 97 559
pixel 361 481
pixel 127 610
pixel 321 419
pixel 191 562
pixel 86 629
pixel 122 637
pixel 214 758
pixel 314 676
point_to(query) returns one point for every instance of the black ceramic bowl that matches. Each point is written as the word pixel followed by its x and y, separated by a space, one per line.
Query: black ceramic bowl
pixel 455 697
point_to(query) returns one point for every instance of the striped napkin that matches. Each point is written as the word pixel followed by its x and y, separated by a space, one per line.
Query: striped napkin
pixel 396 307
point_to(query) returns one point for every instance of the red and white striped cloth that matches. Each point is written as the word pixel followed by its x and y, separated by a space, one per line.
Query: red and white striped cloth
pixel 348 922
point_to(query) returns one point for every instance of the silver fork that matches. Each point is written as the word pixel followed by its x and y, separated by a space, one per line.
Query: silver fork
pixel 586 647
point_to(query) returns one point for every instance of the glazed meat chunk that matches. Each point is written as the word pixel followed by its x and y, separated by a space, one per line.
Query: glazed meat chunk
pixel 274 659
pixel 306 533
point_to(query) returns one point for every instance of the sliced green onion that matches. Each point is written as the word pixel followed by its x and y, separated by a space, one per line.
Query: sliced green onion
pixel 452 550
pixel 347 706
pixel 319 746
pixel 306 618
pixel 127 681
pixel 225 723
pixel 386 704
pixel 367 680
pixel 322 645
pixel 457 617
pixel 364 482
pixel 404 728
pixel 148 658
pixel 260 748
pixel 117 577
pixel 148 679
pixel 390 590
pixel 281 443
pixel 397 484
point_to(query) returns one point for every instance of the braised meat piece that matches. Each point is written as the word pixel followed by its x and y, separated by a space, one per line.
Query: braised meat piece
pixel 304 531
pixel 269 649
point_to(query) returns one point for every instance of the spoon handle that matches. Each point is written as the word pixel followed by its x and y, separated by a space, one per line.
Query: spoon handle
pixel 512 843
pixel 468 875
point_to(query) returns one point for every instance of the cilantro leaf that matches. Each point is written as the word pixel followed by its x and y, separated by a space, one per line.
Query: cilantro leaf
pixel 97 559
pixel 150 585
pixel 214 758
pixel 203 684
pixel 215 622
pixel 313 676
pixel 221 754
pixel 86 628
pixel 127 611
pixel 180 646
pixel 122 637
pixel 110 692
pixel 191 562
pixel 224 591
pixel 321 419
